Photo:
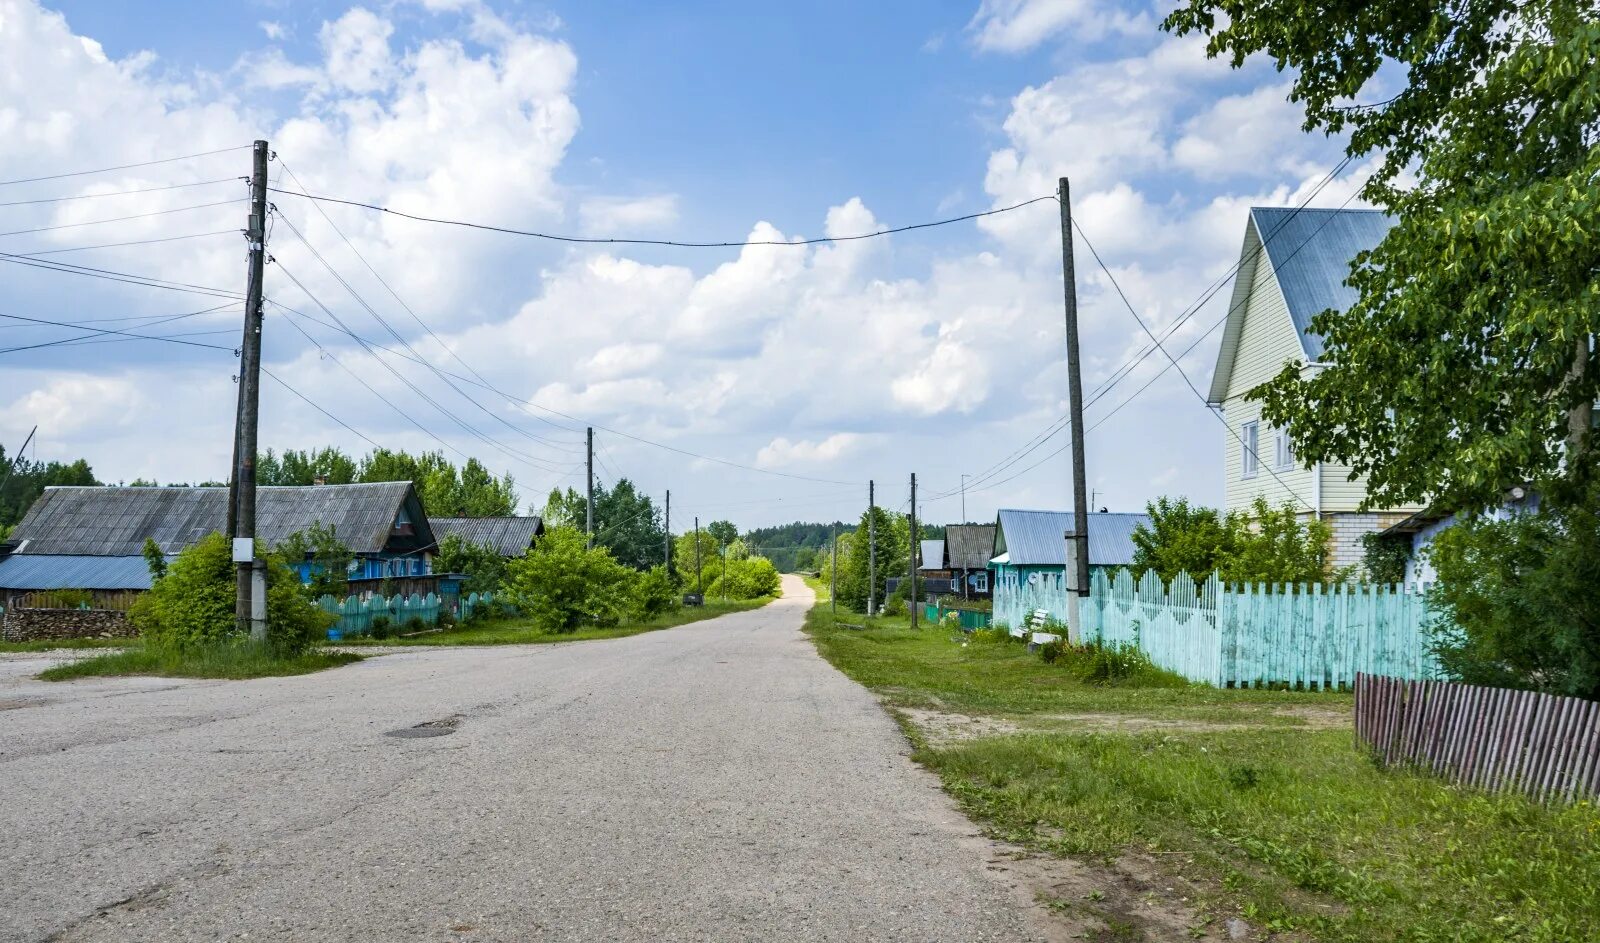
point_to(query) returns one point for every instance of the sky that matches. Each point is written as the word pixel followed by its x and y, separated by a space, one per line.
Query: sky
pixel 760 383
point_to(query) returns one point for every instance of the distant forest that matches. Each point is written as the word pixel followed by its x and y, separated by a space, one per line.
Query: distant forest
pixel 795 547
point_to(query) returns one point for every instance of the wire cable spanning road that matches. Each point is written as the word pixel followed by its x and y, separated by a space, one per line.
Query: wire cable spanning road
pixel 715 782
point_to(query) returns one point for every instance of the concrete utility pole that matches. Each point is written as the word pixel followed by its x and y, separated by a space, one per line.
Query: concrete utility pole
pixel 872 549
pixel 915 545
pixel 588 521
pixel 666 555
pixel 964 498
pixel 699 583
pixel 833 572
pixel 250 591
pixel 1078 585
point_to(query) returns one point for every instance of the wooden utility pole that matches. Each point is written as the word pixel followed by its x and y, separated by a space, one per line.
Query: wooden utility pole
pixel 1078 585
pixel 666 554
pixel 964 498
pixel 699 583
pixel 588 520
pixel 833 572
pixel 250 603
pixel 914 546
pixel 872 549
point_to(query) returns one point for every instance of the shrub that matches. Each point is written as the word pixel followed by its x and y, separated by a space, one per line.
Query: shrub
pixel 415 624
pixel 1095 662
pixel 654 593
pixel 993 635
pixel 381 627
pixel 193 604
pixel 562 584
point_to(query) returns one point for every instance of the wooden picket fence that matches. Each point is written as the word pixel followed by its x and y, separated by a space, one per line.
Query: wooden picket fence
pixel 1543 745
pixel 1252 635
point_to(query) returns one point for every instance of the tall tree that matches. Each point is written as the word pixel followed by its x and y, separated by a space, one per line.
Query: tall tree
pixel 723 531
pixel 628 523
pixel 889 552
pixel 1468 363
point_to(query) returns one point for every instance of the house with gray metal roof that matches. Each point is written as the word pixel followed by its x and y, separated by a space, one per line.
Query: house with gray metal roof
pixel 507 536
pixel 1293 265
pixel 1030 556
pixel 94 537
pixel 968 548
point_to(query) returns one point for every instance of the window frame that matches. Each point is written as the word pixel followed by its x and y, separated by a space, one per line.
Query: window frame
pixel 1283 451
pixel 1250 449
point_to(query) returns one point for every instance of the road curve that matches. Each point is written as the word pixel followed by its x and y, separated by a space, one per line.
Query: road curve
pixel 715 782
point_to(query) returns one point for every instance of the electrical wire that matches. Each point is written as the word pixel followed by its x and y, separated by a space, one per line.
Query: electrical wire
pixel 147 281
pixel 104 170
pixel 123 219
pixel 132 242
pixel 96 196
pixel 602 240
pixel 308 402
pixel 97 331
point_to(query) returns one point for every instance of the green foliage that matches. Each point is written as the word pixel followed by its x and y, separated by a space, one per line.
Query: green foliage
pixel 562 584
pixel 879 538
pixel 654 593
pixel 1270 545
pixel 193 604
pixel 329 557
pixel 750 578
pixel 723 531
pixel 1182 538
pixel 22 481
pixel 380 627
pixel 795 547
pixel 696 576
pixel 1467 364
pixel 228 659
pixel 483 566
pixel 154 559
pixel 446 491
pixel 626 521
pixel 1516 601
pixel 1384 556
pixel 1095 662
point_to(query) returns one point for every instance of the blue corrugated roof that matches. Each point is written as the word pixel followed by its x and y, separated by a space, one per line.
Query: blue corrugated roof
pixel 1038 538
pixel 1311 251
pixel 59 571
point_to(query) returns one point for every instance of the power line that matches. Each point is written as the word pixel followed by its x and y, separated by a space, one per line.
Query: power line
pixel 308 402
pixel 103 170
pixel 123 219
pixel 128 334
pixel 147 281
pixel 600 240
pixel 132 242
pixel 96 196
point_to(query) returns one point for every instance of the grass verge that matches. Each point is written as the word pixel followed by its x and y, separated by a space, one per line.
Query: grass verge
pixel 229 660
pixel 522 632
pixel 1285 823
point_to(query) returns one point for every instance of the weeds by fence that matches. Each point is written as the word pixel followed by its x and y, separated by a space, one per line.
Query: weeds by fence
pixel 1489 738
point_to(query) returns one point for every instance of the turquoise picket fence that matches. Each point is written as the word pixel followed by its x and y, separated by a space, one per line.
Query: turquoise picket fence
pixel 1257 634
pixel 970 618
pixel 356 614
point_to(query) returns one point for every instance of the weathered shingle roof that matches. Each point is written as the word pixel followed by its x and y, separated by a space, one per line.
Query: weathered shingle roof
pixel 1309 251
pixel 969 546
pixel 1038 538
pixel 509 536
pixel 112 522
pixel 54 571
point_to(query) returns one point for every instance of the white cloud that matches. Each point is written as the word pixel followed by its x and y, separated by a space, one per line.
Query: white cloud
pixel 784 453
pixel 621 216
pixel 357 47
pixel 1019 25
pixel 274 31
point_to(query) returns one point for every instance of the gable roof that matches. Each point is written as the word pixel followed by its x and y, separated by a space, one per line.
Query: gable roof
pixel 115 522
pixel 1309 251
pixel 509 536
pixel 1038 538
pixel 969 546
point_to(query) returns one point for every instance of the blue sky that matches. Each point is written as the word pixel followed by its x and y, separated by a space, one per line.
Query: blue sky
pixel 937 352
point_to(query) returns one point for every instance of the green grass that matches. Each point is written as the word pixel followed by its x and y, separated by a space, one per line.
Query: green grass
pixel 1294 827
pixel 48 645
pixel 227 660
pixel 522 632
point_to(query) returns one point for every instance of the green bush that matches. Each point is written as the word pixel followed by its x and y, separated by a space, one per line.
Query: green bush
pixel 748 578
pixel 654 593
pixel 415 624
pixel 1095 662
pixel 993 635
pixel 381 627
pixel 561 584
pixel 193 604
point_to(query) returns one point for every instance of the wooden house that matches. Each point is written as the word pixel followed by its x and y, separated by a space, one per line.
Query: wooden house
pixel 968 549
pixel 1292 267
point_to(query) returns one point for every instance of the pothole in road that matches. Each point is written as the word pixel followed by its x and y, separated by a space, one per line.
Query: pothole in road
pixel 428 728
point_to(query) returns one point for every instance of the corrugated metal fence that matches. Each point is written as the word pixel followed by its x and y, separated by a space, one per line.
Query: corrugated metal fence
pixel 1491 738
pixel 1309 636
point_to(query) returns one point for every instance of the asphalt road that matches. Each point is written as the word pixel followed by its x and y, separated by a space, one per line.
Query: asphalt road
pixel 717 782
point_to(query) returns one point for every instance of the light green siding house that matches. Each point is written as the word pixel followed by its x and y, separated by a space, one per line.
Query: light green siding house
pixel 1292 267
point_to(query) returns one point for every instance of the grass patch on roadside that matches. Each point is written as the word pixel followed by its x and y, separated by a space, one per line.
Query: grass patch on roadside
pixel 233 660
pixel 1290 826
pixel 50 645
pixel 521 632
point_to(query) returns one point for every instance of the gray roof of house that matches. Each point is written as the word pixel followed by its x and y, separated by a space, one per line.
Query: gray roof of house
pixel 1038 538
pixel 932 555
pixel 56 571
pixel 969 546
pixel 1310 251
pixel 509 536
pixel 115 521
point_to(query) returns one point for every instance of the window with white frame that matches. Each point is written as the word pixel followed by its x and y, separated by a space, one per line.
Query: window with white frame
pixel 980 581
pixel 1250 449
pixel 1285 451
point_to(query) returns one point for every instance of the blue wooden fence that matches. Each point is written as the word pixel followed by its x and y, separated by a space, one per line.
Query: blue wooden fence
pixel 356 615
pixel 1246 635
pixel 969 618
